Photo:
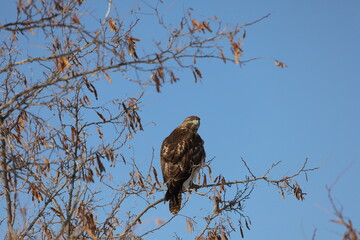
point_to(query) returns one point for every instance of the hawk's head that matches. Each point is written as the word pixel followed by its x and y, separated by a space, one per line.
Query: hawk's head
pixel 192 122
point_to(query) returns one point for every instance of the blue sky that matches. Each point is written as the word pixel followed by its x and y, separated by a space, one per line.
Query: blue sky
pixel 265 114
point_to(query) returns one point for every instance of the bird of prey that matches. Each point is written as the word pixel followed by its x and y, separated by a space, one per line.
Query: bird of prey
pixel 182 154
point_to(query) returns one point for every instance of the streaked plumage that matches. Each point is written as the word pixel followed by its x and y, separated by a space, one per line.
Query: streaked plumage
pixel 181 156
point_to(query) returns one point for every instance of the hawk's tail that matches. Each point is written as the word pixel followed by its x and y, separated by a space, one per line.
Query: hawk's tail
pixel 175 201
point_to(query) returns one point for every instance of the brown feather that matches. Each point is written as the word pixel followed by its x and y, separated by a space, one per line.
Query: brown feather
pixel 175 203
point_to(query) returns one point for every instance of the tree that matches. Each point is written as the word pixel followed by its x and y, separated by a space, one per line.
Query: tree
pixel 60 133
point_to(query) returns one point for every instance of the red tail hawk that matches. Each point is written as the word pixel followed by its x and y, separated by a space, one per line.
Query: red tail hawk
pixel 181 156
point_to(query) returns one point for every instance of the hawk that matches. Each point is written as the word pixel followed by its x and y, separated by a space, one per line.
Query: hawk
pixel 181 156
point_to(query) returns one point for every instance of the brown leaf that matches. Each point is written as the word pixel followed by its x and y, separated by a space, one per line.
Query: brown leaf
pixel 337 221
pixel 196 25
pixel 91 87
pixel 73 134
pixel 280 64
pixel 222 56
pixel 206 25
pixel 173 78
pixel 101 166
pixel 140 182
pixel 58 6
pixel 131 46
pixel 244 34
pixel 160 73
pixel 90 232
pixel 89 176
pixel 156 79
pixel 247 224
pixel 189 226
pixel 223 236
pixel 76 19
pixel 21 122
pixel 108 78
pixel 63 63
pixel 236 58
pixel 57 211
pixel 35 193
pixel 101 116
pixel 241 232
pixel 223 182
pixel 101 135
pixel 236 49
pixel 159 222
pixel 195 76
pixel 198 72
pixel 24 116
pixel 134 39
pixel 156 176
pixel 112 25
pixel 14 37
pixel 46 164
pixel 86 99
pixel 298 192
pixel 204 180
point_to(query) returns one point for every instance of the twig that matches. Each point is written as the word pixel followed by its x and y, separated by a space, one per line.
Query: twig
pixel 130 226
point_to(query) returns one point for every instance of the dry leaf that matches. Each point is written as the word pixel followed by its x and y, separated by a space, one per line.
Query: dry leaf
pixel 223 236
pixel 206 25
pixel 58 6
pixel 63 62
pixel 298 192
pixel 108 78
pixel 156 79
pixel 56 211
pixel 86 99
pixel 131 46
pixel 241 232
pixel 280 64
pixel 189 226
pixel 76 19
pixel 73 134
pixel 101 166
pixel 88 231
pixel 101 135
pixel 222 56
pixel 247 224
pixel 337 221
pixel 155 175
pixel 112 25
pixel 204 180
pixel 159 222
pixel 196 25
pixel 198 72
pixel 173 78
pixel 101 116
pixel 46 164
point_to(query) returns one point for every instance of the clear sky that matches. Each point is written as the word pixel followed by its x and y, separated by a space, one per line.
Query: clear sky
pixel 265 114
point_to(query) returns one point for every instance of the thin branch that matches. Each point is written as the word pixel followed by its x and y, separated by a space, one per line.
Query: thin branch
pixel 132 224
